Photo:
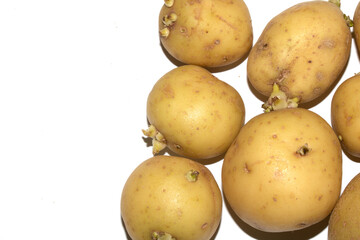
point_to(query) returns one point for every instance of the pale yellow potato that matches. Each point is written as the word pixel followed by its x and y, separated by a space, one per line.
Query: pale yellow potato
pixel 283 172
pixel 344 221
pixel 208 33
pixel 345 114
pixel 356 27
pixel 159 198
pixel 198 114
pixel 304 50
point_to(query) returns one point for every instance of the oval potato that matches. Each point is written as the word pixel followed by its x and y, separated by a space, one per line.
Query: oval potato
pixel 208 33
pixel 304 50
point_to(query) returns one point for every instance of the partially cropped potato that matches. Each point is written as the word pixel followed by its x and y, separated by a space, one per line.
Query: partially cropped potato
pixel 356 27
pixel 169 198
pixel 283 172
pixel 193 113
pixel 303 50
pixel 344 221
pixel 208 33
pixel 345 114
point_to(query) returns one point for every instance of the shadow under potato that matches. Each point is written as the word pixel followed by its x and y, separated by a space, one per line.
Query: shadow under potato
pixel 302 234
pixel 350 156
pixel 166 150
pixel 210 69
pixel 123 225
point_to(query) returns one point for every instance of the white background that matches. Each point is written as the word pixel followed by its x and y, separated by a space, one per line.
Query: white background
pixel 74 80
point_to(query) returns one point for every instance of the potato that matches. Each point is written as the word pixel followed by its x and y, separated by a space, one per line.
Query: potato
pixel 345 114
pixel 208 33
pixel 195 114
pixel 344 221
pixel 304 50
pixel 356 27
pixel 283 172
pixel 171 196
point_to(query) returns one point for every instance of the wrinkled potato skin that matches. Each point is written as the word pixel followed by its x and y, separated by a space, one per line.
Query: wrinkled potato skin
pixel 270 186
pixel 158 197
pixel 345 219
pixel 303 49
pixel 345 114
pixel 356 27
pixel 208 33
pixel 198 114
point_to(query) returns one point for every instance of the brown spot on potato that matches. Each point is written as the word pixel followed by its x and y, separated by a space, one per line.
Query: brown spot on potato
pixel 204 225
pixel 274 136
pixel 168 91
pixel 250 139
pixel 274 199
pixel 348 120
pixel 317 90
pixel 328 43
pixel 301 225
pixel 217 42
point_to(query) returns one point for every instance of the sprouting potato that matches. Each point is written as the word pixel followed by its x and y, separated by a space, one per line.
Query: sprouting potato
pixel 303 50
pixel 345 114
pixel 283 172
pixel 208 33
pixel 345 218
pixel 193 113
pixel 168 198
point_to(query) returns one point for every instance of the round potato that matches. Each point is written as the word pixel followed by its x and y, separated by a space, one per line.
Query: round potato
pixel 193 113
pixel 345 114
pixel 356 27
pixel 208 33
pixel 303 50
pixel 171 198
pixel 345 218
pixel 283 172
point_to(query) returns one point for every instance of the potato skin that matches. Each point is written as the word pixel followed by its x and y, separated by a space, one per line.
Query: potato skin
pixel 273 188
pixel 208 33
pixel 198 114
pixel 345 114
pixel 345 218
pixel 304 50
pixel 356 27
pixel 158 197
